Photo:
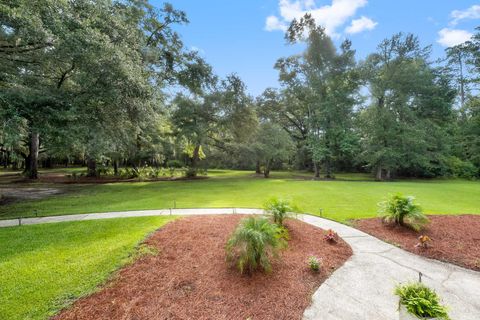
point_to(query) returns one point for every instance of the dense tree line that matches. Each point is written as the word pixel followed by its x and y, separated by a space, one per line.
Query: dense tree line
pixel 91 82
pixel 396 113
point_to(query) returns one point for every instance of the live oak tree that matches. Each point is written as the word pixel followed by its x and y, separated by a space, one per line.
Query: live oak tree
pixel 286 107
pixel 193 121
pixel 219 115
pixel 94 66
pixel 271 144
pixel 34 70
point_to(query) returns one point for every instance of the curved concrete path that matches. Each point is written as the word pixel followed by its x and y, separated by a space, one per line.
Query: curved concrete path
pixel 362 289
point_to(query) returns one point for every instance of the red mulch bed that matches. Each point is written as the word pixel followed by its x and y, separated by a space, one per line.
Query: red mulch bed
pixel 456 239
pixel 189 278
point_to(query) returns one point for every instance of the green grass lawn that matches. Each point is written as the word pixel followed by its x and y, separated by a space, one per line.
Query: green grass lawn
pixel 356 196
pixel 45 267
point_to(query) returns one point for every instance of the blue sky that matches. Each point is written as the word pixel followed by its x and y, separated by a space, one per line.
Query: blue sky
pixel 246 37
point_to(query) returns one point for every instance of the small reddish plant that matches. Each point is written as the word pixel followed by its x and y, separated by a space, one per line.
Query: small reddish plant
pixel 331 236
pixel 423 242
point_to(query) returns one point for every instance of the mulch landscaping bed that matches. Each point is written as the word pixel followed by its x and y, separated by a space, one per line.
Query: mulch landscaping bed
pixel 455 239
pixel 189 278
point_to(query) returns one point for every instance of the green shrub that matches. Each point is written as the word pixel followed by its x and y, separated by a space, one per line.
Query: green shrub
pixel 174 164
pixel 253 243
pixel 461 169
pixel 104 171
pixel 314 263
pixel 191 172
pixel 403 211
pixel 76 175
pixel 279 209
pixel 140 173
pixel 421 301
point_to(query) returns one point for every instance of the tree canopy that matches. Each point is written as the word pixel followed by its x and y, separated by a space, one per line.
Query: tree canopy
pixel 109 83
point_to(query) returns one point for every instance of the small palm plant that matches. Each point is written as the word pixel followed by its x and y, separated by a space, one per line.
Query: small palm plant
pixel 279 209
pixel 253 244
pixel 403 211
pixel 314 263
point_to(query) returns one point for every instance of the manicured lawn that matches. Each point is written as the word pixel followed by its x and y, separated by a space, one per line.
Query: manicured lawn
pixel 355 197
pixel 44 267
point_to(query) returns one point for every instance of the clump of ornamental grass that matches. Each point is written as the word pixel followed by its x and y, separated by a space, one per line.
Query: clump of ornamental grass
pixel 253 244
pixel 403 211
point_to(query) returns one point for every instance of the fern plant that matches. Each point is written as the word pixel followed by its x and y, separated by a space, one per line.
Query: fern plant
pixel 403 211
pixel 253 244
pixel 279 209
pixel 421 301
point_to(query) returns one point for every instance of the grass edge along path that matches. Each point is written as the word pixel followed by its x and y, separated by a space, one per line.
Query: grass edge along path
pixel 44 268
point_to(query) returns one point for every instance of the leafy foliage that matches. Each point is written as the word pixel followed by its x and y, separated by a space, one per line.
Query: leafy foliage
pixel 403 211
pixel 86 81
pixel 461 169
pixel 421 301
pixel 272 144
pixel 320 86
pixel 404 129
pixel 253 244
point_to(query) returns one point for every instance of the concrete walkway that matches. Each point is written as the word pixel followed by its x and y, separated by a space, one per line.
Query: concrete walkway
pixel 362 289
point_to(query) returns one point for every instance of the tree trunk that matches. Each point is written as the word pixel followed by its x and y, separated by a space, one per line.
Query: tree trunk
pixel 32 166
pixel 7 159
pixel 26 164
pixel 48 163
pixel 316 168
pixel 192 172
pixel 378 175
pixel 115 167
pixel 258 170
pixel 388 174
pixel 462 83
pixel 91 167
pixel 328 169
pixel 266 170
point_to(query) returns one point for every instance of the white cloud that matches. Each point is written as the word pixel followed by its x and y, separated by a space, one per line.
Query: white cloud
pixel 273 23
pixel 471 13
pixel 452 37
pixel 359 25
pixel 331 17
